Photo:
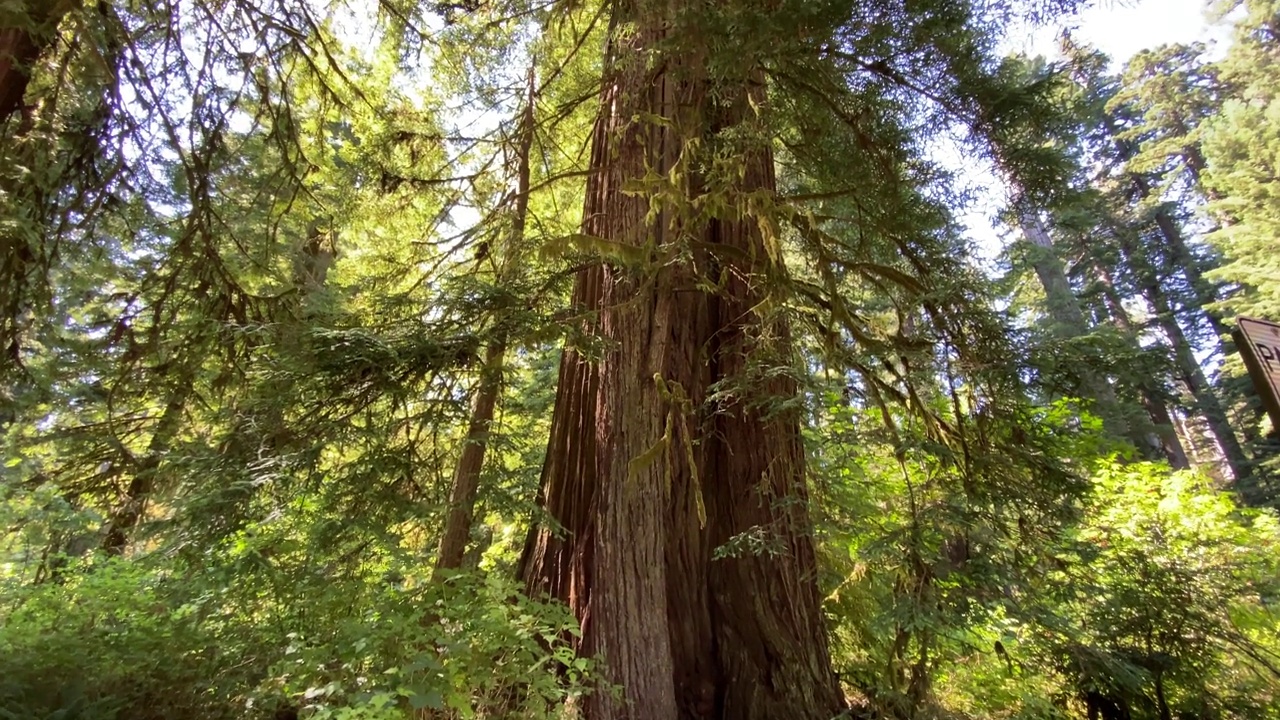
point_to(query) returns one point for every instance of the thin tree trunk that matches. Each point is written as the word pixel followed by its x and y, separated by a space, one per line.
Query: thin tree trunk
pixel 1182 259
pixel 466 476
pixel 646 475
pixel 1180 255
pixel 133 504
pixel 1166 434
pixel 1193 376
pixel 310 271
pixel 1193 440
pixel 1162 704
pixel 1197 166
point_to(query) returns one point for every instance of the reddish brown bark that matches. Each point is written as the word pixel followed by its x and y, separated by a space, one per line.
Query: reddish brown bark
pixel 646 473
pixel 21 46
pixel 18 50
pixel 466 476
pixel 32 30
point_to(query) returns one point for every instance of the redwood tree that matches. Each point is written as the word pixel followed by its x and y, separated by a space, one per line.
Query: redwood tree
pixel 680 533
pixel 23 36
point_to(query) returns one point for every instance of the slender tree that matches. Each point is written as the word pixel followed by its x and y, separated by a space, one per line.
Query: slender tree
pixel 466 475
pixel 1149 239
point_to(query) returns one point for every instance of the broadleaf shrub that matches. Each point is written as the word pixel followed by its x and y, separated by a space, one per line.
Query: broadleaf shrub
pixel 128 639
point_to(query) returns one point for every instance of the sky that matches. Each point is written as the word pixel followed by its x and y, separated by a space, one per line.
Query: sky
pixel 1120 28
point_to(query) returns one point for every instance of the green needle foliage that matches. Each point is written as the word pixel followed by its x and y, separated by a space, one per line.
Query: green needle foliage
pixel 270 270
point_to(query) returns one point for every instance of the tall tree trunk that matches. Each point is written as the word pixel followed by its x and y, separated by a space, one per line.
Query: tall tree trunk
pixel 1205 294
pixel 1197 166
pixel 1194 380
pixel 1179 254
pixel 466 476
pixel 1191 375
pixel 1166 429
pixel 1194 440
pixel 1064 310
pixel 647 475
pixel 1182 260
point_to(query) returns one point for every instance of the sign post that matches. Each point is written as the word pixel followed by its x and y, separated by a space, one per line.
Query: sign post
pixel 1259 343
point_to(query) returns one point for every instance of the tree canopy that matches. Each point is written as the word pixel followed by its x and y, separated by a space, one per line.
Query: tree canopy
pixel 569 359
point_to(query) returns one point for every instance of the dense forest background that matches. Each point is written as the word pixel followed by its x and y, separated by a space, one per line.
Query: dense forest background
pixel 559 358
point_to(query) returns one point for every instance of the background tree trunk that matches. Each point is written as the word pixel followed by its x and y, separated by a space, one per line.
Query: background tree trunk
pixel 466 476
pixel 1064 310
pixel 1190 375
pixel 1157 409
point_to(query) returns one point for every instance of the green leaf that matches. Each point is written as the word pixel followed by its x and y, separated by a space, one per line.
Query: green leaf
pixel 420 698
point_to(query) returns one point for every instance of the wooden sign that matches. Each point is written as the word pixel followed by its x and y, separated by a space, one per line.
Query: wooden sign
pixel 1259 343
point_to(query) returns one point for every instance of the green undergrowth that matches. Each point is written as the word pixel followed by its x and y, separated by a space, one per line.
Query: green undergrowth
pixel 136 640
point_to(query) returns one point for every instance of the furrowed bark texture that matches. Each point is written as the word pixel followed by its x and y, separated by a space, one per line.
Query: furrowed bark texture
pixel 659 451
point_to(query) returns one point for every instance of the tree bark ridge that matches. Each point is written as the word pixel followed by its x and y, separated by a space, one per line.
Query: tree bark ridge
pixel 657 456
